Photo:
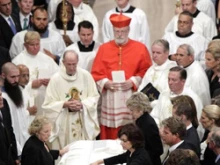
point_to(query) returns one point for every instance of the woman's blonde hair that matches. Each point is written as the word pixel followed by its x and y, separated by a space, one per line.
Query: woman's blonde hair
pixel 139 101
pixel 37 124
pixel 213 112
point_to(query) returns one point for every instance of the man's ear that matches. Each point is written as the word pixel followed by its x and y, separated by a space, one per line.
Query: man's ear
pixel 3 75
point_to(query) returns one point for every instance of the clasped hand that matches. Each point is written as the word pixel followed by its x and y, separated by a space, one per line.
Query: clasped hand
pixel 112 86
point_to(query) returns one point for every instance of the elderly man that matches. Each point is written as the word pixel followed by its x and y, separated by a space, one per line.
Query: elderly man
pixel 202 23
pixel 173 132
pixel 176 81
pixel 51 41
pixel 82 12
pixel 118 69
pixel 184 35
pixel 9 24
pixel 17 101
pixel 86 47
pixel 139 29
pixel 196 76
pixel 41 67
pixel 214 144
pixel 157 74
pixel 24 75
pixel 24 15
pixel 71 102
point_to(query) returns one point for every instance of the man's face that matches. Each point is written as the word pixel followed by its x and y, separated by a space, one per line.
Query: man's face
pixel 182 58
pixel 12 76
pixel 167 137
pixel 33 47
pixel 188 5
pixel 86 36
pixel 25 6
pixel 24 77
pixel 184 24
pixel 75 3
pixel 158 54
pixel 175 83
pixel 40 21
pixel 70 63
pixel 121 35
pixel 5 7
pixel 122 3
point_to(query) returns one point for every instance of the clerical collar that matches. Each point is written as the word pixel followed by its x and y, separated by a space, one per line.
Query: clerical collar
pixel 82 47
pixel 127 9
pixel 183 36
pixel 43 35
pixel 196 13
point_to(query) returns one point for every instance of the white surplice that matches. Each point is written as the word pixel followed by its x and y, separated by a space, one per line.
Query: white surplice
pixel 20 120
pixel 207 7
pixel 83 12
pixel 197 80
pixel 163 106
pixel 197 41
pixel 72 126
pixel 158 76
pixel 139 28
pixel 85 58
pixel 54 43
pixel 202 24
pixel 40 66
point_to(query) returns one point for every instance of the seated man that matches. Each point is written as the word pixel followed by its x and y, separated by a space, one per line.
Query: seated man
pixel 71 103
pixel 41 67
pixel 86 47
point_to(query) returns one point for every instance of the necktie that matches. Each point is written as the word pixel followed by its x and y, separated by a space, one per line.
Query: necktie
pixel 167 156
pixel 12 25
pixel 25 25
pixel 1 119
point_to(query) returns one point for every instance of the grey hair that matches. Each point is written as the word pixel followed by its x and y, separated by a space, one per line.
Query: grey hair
pixel 215 136
pixel 139 101
pixel 164 43
pixel 189 49
pixel 70 51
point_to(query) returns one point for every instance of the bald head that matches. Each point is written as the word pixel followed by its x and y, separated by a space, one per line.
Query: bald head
pixel 24 75
pixel 70 61
pixel 7 67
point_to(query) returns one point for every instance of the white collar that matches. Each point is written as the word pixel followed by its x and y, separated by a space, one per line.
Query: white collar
pixel 125 8
pixel 189 126
pixel 22 16
pixel 172 148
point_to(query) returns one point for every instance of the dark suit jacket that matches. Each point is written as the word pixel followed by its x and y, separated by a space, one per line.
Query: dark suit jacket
pixel 35 153
pixel 4 57
pixel 6 33
pixel 138 157
pixel 193 138
pixel 17 16
pixel 153 142
pixel 187 145
pixel 8 148
pixel 218 162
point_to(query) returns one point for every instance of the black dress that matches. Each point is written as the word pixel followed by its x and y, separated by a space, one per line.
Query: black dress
pixel 153 143
pixel 213 84
pixel 35 153
pixel 138 157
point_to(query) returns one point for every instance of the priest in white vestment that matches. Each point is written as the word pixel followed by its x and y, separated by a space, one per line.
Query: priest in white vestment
pixel 17 102
pixel 202 23
pixel 82 12
pixel 71 103
pixel 51 41
pixel 139 28
pixel 86 47
pixel 157 74
pixel 41 67
pixel 184 35
pixel 176 80
pixel 196 77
